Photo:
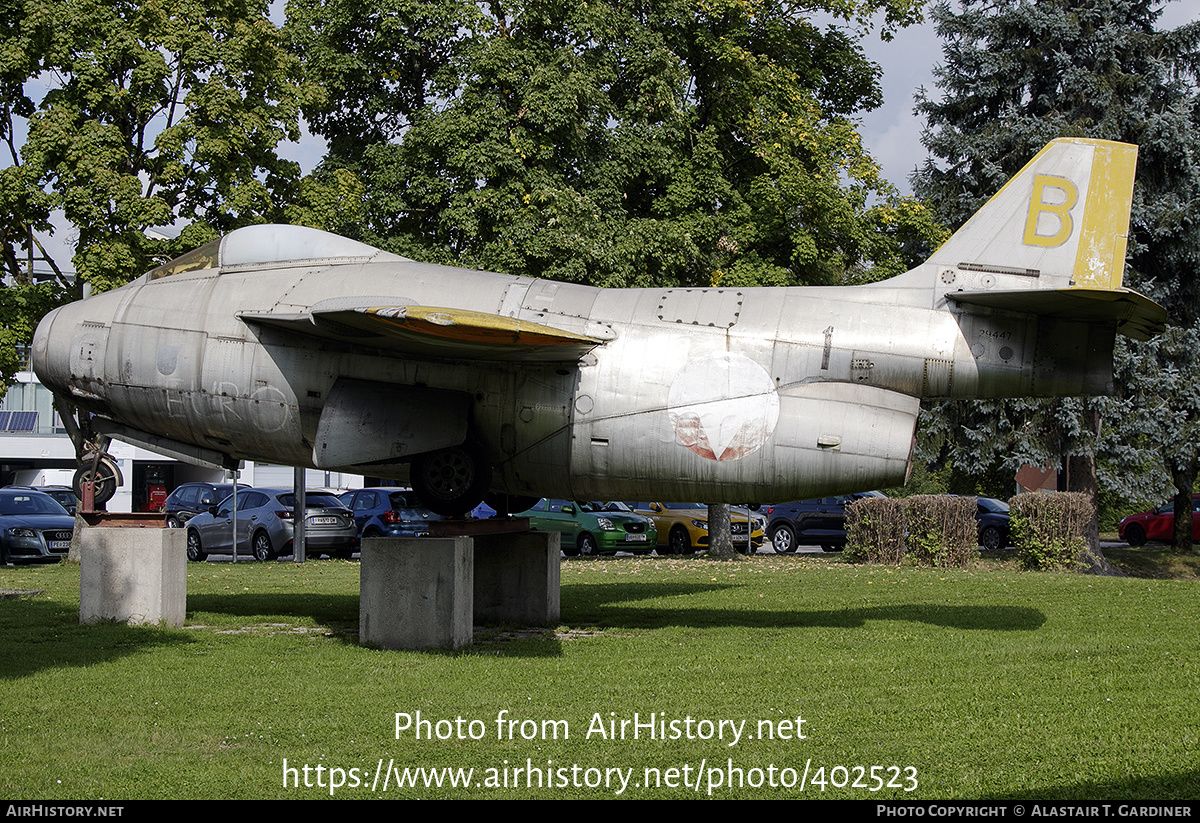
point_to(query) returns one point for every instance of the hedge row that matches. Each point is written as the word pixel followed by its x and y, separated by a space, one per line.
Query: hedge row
pixel 1049 529
pixel 941 531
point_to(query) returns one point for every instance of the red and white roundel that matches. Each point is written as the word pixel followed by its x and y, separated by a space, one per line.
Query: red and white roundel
pixel 723 406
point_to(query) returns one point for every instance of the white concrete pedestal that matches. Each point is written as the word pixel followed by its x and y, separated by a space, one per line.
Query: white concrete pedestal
pixel 427 592
pixel 133 575
pixel 416 592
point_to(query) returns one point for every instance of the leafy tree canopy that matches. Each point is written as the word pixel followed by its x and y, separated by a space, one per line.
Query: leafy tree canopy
pixel 131 114
pixel 619 142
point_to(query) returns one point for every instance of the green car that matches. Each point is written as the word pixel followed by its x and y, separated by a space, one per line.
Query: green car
pixel 590 528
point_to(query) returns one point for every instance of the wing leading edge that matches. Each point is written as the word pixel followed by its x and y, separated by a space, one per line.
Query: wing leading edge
pixel 435 331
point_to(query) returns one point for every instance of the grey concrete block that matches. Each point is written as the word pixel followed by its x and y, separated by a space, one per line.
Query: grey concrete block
pixel 416 592
pixel 133 575
pixel 518 578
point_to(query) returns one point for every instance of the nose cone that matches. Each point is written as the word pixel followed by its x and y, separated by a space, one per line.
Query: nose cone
pixel 50 352
pixel 70 345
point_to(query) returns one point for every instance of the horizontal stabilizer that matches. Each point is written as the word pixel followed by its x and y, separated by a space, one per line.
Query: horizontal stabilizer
pixel 434 331
pixel 1134 314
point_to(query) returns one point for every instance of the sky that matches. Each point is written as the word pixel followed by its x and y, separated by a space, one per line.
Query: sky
pixel 892 133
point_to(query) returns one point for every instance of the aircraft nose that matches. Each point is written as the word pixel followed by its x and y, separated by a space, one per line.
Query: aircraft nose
pixel 69 348
pixel 50 357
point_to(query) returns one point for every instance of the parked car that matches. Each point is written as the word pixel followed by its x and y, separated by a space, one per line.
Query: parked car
pixel 386 511
pixel 992 516
pixel 1157 524
pixel 590 528
pixel 818 522
pixel 34 528
pixel 683 527
pixel 265 524
pixel 190 499
pixel 64 495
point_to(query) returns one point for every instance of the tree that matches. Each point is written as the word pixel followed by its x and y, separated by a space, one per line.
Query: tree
pixel 617 143
pixel 1017 74
pixel 128 115
pixel 720 532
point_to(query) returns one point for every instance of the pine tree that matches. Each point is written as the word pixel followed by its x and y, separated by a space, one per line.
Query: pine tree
pixel 1016 74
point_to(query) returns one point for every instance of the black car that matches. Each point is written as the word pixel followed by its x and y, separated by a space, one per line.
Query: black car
pixel 190 499
pixel 34 528
pixel 65 495
pixel 820 522
pixel 992 516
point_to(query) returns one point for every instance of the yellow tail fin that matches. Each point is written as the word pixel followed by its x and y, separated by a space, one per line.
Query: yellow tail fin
pixel 1065 216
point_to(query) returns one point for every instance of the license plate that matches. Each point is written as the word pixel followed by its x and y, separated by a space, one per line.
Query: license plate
pixel 635 538
pixel 60 545
pixel 323 521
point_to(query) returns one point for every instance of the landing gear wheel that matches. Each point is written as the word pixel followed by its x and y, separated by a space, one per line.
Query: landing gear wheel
pixel 783 539
pixel 104 483
pixel 452 481
pixel 262 547
pixel 679 541
pixel 586 544
pixel 195 551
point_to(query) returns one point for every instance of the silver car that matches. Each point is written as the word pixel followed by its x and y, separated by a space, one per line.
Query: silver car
pixel 266 524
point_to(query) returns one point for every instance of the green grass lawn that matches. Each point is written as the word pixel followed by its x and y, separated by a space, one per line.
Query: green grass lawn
pixel 982 683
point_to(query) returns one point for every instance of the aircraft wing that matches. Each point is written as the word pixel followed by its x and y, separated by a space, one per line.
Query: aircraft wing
pixel 435 331
pixel 1136 315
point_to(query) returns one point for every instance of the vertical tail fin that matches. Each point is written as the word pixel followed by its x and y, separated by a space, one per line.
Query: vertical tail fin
pixel 1065 217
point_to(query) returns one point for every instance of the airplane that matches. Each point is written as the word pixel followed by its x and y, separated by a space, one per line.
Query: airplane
pixel 293 346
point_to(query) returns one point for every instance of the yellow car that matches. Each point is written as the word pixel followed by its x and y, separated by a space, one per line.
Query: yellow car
pixel 683 527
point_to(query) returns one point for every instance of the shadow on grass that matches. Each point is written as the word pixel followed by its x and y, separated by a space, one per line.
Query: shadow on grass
pixel 43 634
pixel 592 604
pixel 335 612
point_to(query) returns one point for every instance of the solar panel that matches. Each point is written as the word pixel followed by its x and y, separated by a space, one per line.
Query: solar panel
pixel 18 421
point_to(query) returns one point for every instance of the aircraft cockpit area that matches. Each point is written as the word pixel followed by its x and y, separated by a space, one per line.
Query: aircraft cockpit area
pixel 257 246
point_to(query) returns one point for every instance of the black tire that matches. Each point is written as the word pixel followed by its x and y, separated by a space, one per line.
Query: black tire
pixel 1135 535
pixel 452 481
pixel 195 551
pixel 586 545
pixel 679 541
pixel 262 547
pixel 829 547
pixel 991 539
pixel 173 522
pixel 104 483
pixel 783 538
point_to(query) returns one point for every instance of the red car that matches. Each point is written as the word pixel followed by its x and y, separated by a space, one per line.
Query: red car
pixel 1158 524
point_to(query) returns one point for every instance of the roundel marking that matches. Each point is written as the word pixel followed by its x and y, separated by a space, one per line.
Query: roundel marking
pixel 723 406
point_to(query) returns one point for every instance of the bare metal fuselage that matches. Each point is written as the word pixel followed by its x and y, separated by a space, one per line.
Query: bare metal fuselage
pixel 172 357
pixel 287 345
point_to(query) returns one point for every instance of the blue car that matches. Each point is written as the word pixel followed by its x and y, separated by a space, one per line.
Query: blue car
pixel 387 511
